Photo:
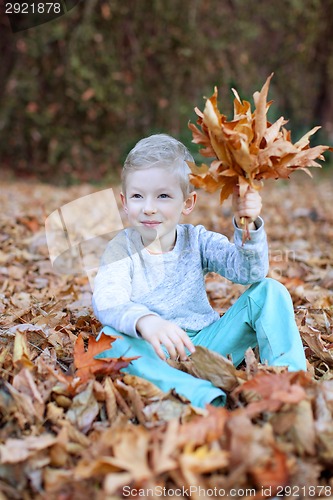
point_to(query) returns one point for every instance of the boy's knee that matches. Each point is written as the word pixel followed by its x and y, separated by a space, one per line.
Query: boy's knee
pixel 276 285
pixel 272 286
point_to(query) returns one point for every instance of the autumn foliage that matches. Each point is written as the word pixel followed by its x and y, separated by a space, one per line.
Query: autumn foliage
pixel 76 427
pixel 248 148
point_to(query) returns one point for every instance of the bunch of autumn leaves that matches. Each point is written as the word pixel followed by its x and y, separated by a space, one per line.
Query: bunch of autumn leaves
pixel 248 148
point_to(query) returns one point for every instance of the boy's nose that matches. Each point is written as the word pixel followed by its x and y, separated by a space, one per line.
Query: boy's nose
pixel 149 208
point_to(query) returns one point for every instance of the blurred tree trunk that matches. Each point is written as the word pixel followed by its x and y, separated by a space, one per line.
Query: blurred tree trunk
pixel 8 52
pixel 323 67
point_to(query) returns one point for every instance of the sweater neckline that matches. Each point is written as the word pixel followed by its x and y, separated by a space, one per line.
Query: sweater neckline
pixel 170 252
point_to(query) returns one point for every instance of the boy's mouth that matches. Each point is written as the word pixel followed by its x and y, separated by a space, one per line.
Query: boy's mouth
pixel 150 223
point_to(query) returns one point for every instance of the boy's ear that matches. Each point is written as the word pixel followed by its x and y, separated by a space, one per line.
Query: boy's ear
pixel 189 203
pixel 123 201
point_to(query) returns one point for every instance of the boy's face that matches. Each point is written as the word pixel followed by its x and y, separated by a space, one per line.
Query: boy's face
pixel 154 203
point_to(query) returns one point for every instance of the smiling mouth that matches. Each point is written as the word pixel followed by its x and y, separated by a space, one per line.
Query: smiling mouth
pixel 150 223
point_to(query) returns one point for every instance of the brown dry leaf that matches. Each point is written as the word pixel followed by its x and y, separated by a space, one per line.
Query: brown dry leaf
pixel 122 404
pixel 306 474
pixel 136 402
pixel 219 370
pixel 110 400
pixel 251 448
pixel 204 430
pixel 128 460
pixel 59 455
pixel 163 411
pixel 303 429
pixel 313 339
pixel 145 388
pixel 54 413
pixel 25 384
pixel 270 391
pixel 21 300
pixel 273 474
pixel 84 409
pixel 26 413
pixel 201 460
pixel 204 459
pixel 115 481
pixel 21 355
pixel 210 365
pixel 324 421
pixel 92 466
pixel 74 434
pixel 55 479
pixel 19 450
pixel 5 354
pixel 164 451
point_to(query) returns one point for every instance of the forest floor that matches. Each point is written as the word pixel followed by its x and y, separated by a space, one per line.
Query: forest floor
pixel 72 427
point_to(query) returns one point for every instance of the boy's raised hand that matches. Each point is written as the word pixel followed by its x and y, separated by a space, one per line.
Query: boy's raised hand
pixel 247 206
pixel 158 331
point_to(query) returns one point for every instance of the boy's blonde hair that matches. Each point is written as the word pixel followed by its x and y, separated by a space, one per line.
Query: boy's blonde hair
pixel 160 150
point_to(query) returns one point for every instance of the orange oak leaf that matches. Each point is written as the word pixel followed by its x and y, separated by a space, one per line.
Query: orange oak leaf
pixel 88 367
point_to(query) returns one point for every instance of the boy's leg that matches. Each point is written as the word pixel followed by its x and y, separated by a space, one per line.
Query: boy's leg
pixel 264 316
pixel 152 368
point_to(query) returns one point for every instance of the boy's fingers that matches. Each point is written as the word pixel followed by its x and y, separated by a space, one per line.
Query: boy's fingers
pixel 188 343
pixel 181 350
pixel 175 344
pixel 157 347
pixel 168 344
pixel 160 354
pixel 183 340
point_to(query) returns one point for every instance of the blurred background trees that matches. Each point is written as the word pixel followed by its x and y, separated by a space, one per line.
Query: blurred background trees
pixel 78 92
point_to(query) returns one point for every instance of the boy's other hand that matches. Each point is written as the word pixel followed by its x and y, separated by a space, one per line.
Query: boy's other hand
pixel 158 331
pixel 247 206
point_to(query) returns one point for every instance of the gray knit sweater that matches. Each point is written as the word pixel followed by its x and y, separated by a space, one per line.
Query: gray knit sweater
pixel 131 282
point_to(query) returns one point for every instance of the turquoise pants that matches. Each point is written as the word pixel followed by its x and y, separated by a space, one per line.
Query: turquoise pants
pixel 263 316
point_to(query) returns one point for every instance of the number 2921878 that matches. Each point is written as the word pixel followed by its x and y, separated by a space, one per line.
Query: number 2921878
pixel 33 8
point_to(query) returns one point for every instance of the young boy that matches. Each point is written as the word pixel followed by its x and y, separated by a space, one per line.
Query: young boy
pixel 150 288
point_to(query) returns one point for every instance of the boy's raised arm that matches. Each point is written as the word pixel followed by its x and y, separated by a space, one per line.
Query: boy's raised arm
pixel 243 263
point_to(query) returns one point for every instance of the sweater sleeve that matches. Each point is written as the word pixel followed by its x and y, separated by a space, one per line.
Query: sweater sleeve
pixel 111 299
pixel 241 263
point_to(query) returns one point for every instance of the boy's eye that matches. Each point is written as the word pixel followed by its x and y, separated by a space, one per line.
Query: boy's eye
pixel 136 195
pixel 164 195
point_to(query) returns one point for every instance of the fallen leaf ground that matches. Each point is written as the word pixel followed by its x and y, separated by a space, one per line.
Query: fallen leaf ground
pixel 97 433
